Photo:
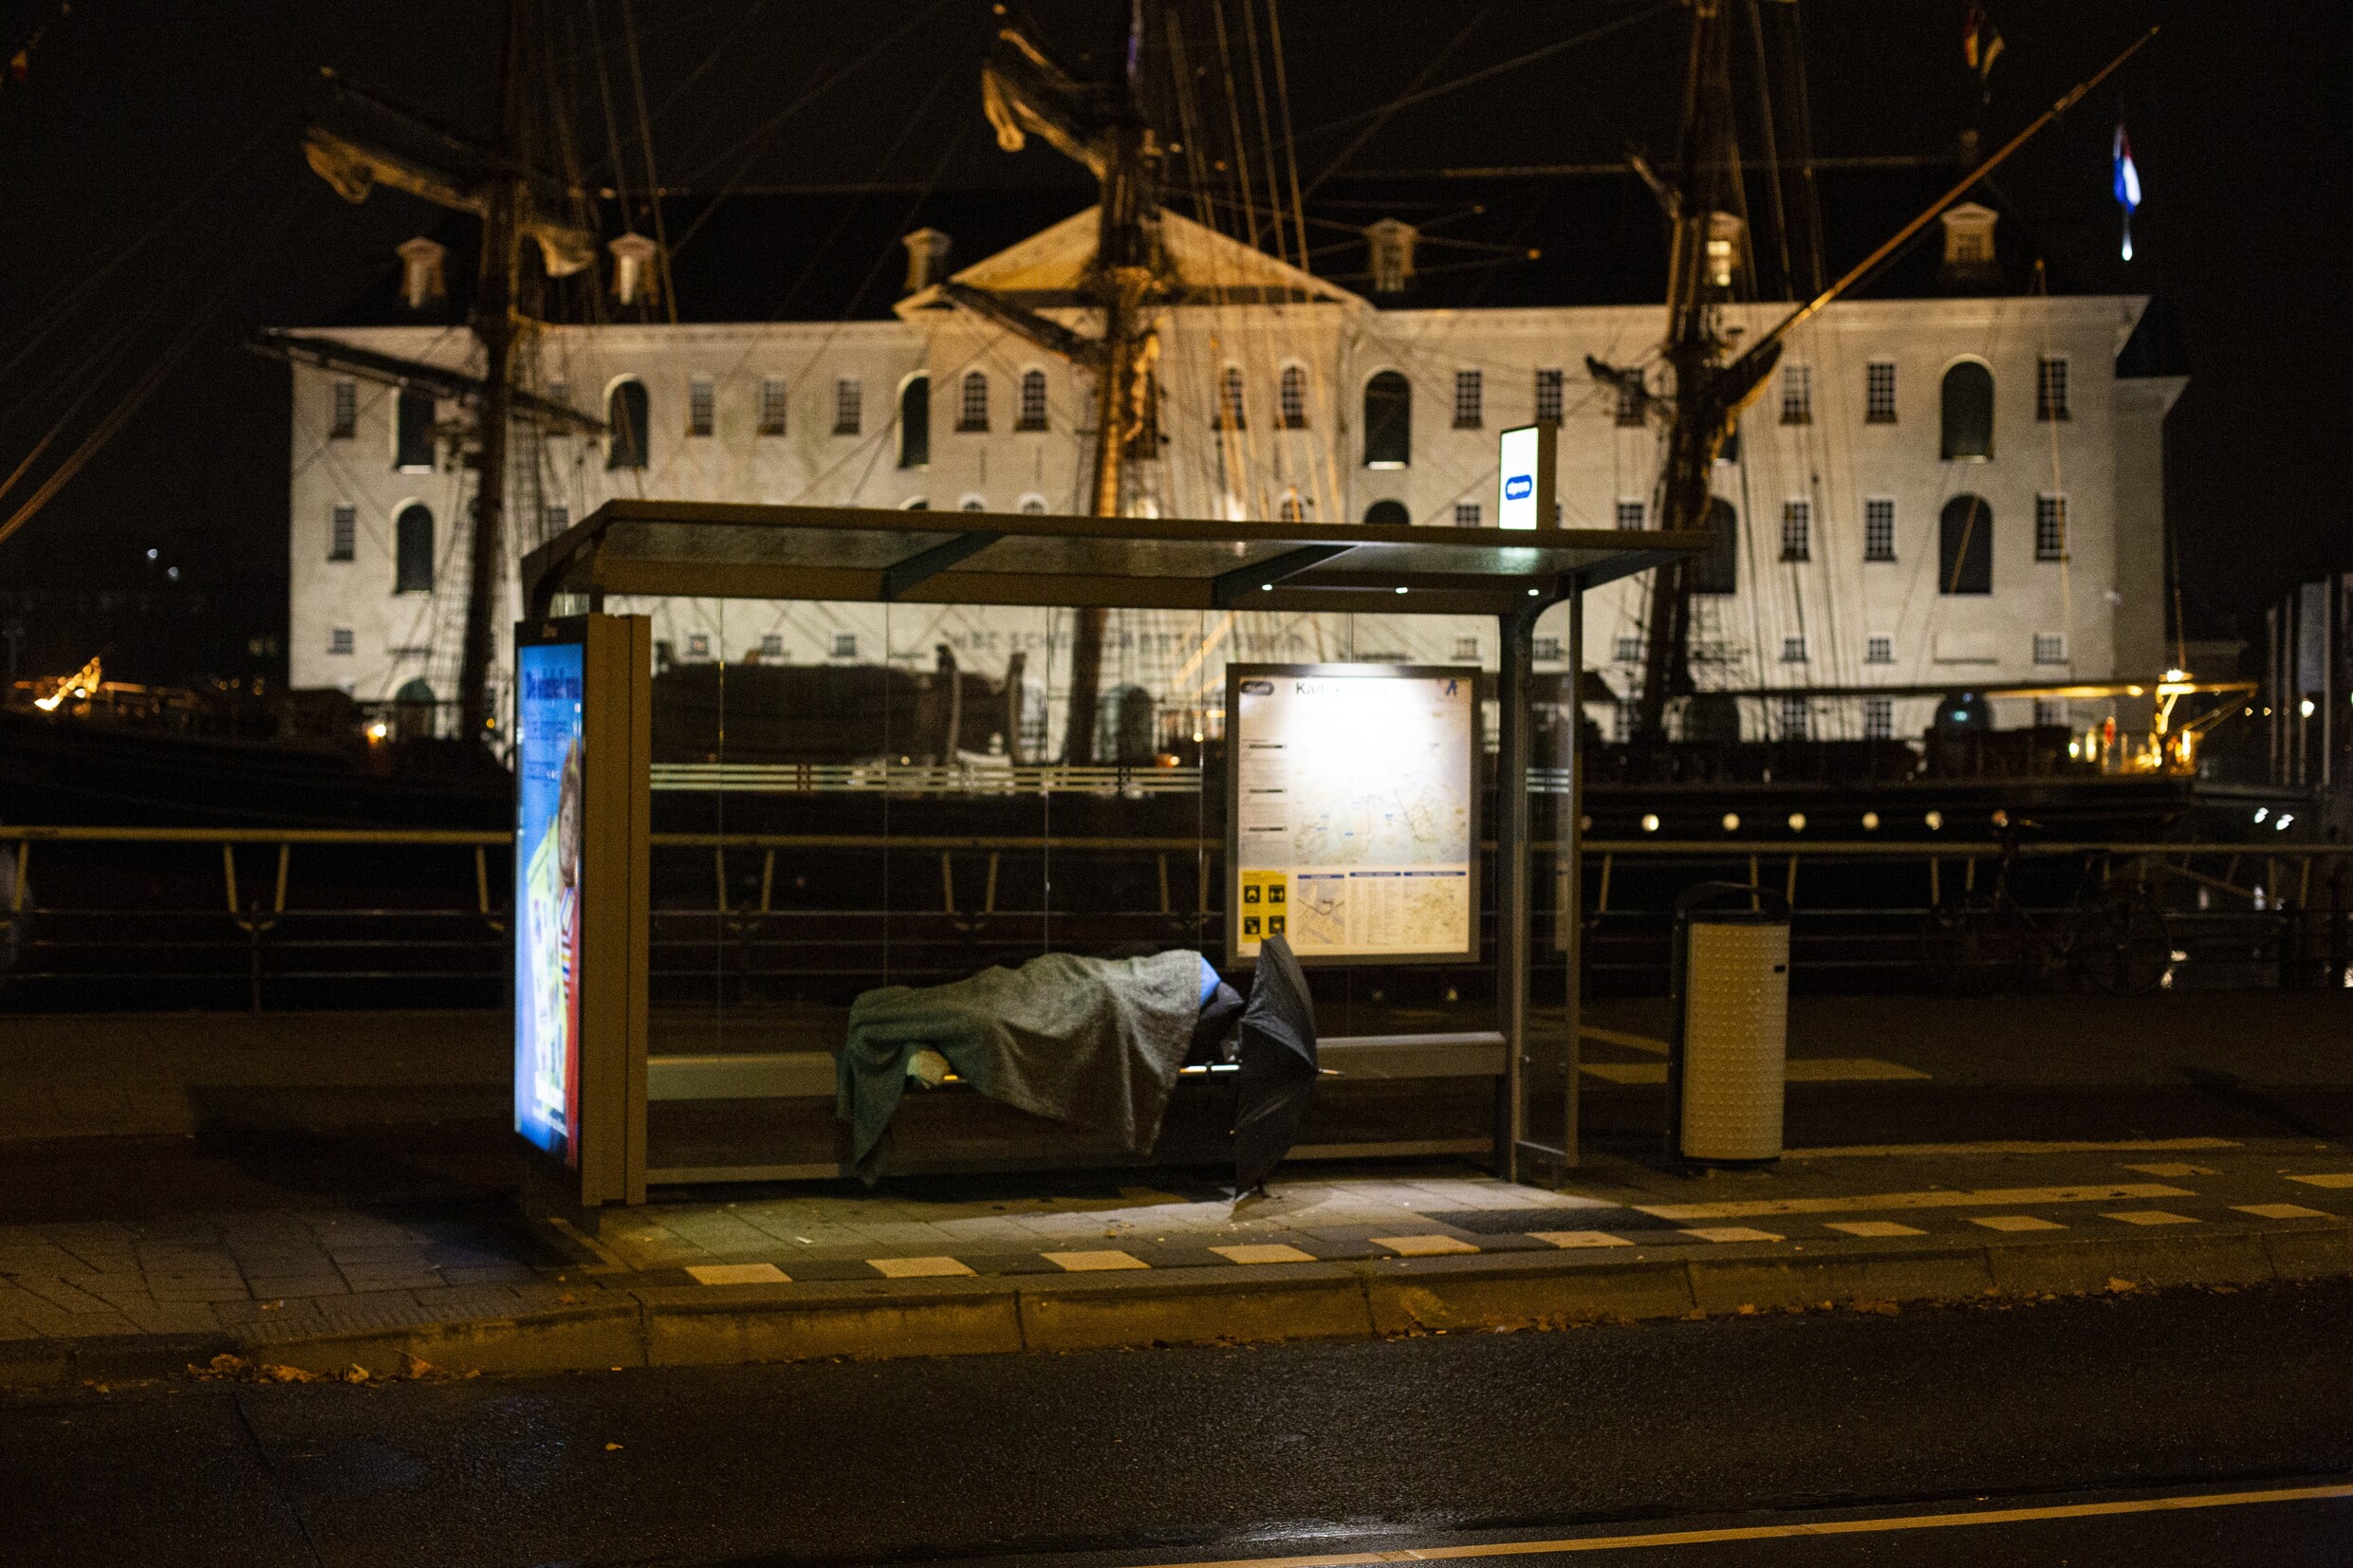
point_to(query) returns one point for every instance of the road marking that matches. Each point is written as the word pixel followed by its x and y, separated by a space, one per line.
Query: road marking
pixel 1804 1069
pixel 738 1274
pixel 1880 1525
pixel 1423 1246
pixel 2015 1222
pixel 1580 1238
pixel 2326 1178
pixel 1730 1233
pixel 2281 1211
pixel 1935 1198
pixel 2174 1168
pixel 1095 1262
pixel 1875 1227
pixel 917 1268
pixel 1618 1037
pixel 2148 1216
pixel 1263 1252
pixel 1900 1151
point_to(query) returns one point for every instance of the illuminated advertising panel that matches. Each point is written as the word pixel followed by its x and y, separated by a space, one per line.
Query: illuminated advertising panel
pixel 1352 808
pixel 552 798
pixel 1525 476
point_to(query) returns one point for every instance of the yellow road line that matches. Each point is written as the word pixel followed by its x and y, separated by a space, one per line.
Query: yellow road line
pixel 1785 1532
pixel 2001 1197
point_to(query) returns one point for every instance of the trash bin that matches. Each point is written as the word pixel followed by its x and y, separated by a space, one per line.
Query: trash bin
pixel 1728 1029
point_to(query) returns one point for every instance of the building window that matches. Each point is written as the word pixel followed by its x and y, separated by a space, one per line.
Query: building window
pixel 1292 509
pixel 1965 546
pixel 1624 716
pixel 339 641
pixel 1228 414
pixel 848 405
pixel 1879 650
pixel 698 645
pixel 411 435
pixel 1629 649
pixel 1878 393
pixel 1631 399
pixel 1879 528
pixel 1967 413
pixel 1388 421
pixel 2050 527
pixel 412 554
pixel 630 419
pixel 845 645
pixel 772 645
pixel 972 407
pixel 702 404
pixel 1547 649
pixel 1291 397
pixel 1719 571
pixel 1630 514
pixel 1466 514
pixel 1797 395
pixel 2051 714
pixel 345 423
pixel 1794 725
pixel 973 503
pixel 1466 648
pixel 1793 649
pixel 1797 530
pixel 554 521
pixel 2050 388
pixel 1389 513
pixel 1032 415
pixel 1548 385
pixel 773 398
pixel 1878 718
pixel 915 423
pixel 2051 648
pixel 343 533
pixel 1034 506
pixel 1470 394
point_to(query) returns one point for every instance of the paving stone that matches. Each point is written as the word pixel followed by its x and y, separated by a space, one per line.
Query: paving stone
pixel 295 1286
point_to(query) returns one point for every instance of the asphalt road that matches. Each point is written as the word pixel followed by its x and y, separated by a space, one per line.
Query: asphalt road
pixel 1188 1456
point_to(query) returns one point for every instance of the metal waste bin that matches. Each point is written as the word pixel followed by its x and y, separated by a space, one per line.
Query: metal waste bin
pixel 1728 1029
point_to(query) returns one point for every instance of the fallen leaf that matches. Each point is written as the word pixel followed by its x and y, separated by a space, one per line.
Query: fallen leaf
pixel 227 1365
pixel 612 1448
pixel 356 1374
pixel 412 1365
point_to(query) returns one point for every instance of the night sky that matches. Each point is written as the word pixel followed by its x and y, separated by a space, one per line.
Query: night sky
pixel 157 207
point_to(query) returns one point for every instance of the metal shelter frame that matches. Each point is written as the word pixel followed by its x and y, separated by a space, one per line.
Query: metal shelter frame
pixel 870 555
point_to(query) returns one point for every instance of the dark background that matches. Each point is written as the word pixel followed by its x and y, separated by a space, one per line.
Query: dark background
pixel 154 201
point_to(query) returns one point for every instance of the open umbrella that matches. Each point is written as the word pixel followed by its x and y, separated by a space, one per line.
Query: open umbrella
pixel 1278 1073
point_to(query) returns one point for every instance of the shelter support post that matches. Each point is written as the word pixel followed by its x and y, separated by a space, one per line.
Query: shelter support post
pixel 1570 888
pixel 1514 661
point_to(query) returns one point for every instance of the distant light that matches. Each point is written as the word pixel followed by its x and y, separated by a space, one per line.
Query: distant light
pixel 151 554
pixel 378 730
pixel 2001 818
pixel 2305 708
pixel 1732 821
pixel 1533 593
pixel 1199 737
pixel 2176 674
pixel 1870 821
pixel 1959 717
pixel 2285 817
pixel 1266 587
pixel 2075 748
pixel 1649 821
pixel 2307 705
pixel 173 572
pixel 1585 824
pixel 1934 821
pixel 2261 812
pixel 1797 822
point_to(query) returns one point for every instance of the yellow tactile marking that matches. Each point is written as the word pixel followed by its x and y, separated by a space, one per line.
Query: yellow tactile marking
pixel 1875 1228
pixel 917 1268
pixel 2148 1216
pixel 1580 1238
pixel 1263 1252
pixel 2281 1211
pixel 1095 1262
pixel 738 1274
pixel 1935 1198
pixel 2015 1222
pixel 2173 1169
pixel 1730 1233
pixel 2326 1178
pixel 1423 1246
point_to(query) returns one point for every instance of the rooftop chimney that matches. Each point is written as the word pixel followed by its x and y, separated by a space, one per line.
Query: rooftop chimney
pixel 1968 259
pixel 1392 246
pixel 1728 240
pixel 927 258
pixel 633 269
pixel 421 280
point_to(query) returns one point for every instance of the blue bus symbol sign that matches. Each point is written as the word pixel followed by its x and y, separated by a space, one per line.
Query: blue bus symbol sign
pixel 1519 487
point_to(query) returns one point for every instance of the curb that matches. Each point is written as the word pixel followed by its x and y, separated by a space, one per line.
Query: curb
pixel 881 1320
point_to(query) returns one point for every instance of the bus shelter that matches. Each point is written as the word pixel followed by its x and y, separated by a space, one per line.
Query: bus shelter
pixel 647 549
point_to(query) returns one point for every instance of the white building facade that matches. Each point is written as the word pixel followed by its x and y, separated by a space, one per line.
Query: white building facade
pixel 1949 492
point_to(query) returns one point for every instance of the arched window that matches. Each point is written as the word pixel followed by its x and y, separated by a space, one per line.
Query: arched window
pixel 412 710
pixel 1388 421
pixel 1291 393
pixel 1965 546
pixel 628 418
pixel 1968 411
pixel 1392 512
pixel 1229 398
pixel 972 412
pixel 1034 506
pixel 1032 415
pixel 412 550
pixel 915 423
pixel 1719 571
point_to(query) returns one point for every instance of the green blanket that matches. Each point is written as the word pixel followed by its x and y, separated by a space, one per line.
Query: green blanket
pixel 1093 1042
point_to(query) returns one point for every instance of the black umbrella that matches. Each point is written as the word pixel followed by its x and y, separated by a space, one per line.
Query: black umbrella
pixel 1278 1065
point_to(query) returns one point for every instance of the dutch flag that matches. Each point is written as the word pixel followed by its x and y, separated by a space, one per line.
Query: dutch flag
pixel 2127 184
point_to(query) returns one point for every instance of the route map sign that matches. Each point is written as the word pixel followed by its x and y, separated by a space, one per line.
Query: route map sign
pixel 1351 809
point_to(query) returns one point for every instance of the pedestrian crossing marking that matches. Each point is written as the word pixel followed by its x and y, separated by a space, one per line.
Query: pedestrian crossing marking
pixel 1423 1246
pixel 2280 1211
pixel 738 1274
pixel 918 1268
pixel 2326 1178
pixel 1937 1198
pixel 1580 1238
pixel 1730 1233
pixel 2175 1169
pixel 1875 1228
pixel 1095 1262
pixel 2015 1222
pixel 2149 1216
pixel 1264 1252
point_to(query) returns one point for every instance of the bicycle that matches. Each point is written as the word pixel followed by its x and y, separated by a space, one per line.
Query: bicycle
pixel 2113 935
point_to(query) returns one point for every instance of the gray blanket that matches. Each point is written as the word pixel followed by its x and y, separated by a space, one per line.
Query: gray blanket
pixel 1094 1042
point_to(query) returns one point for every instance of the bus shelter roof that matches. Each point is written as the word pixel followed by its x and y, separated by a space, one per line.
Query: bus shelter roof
pixel 872 555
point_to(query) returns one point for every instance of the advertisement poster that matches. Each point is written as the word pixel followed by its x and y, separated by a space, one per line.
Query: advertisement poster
pixel 547 857
pixel 1353 798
